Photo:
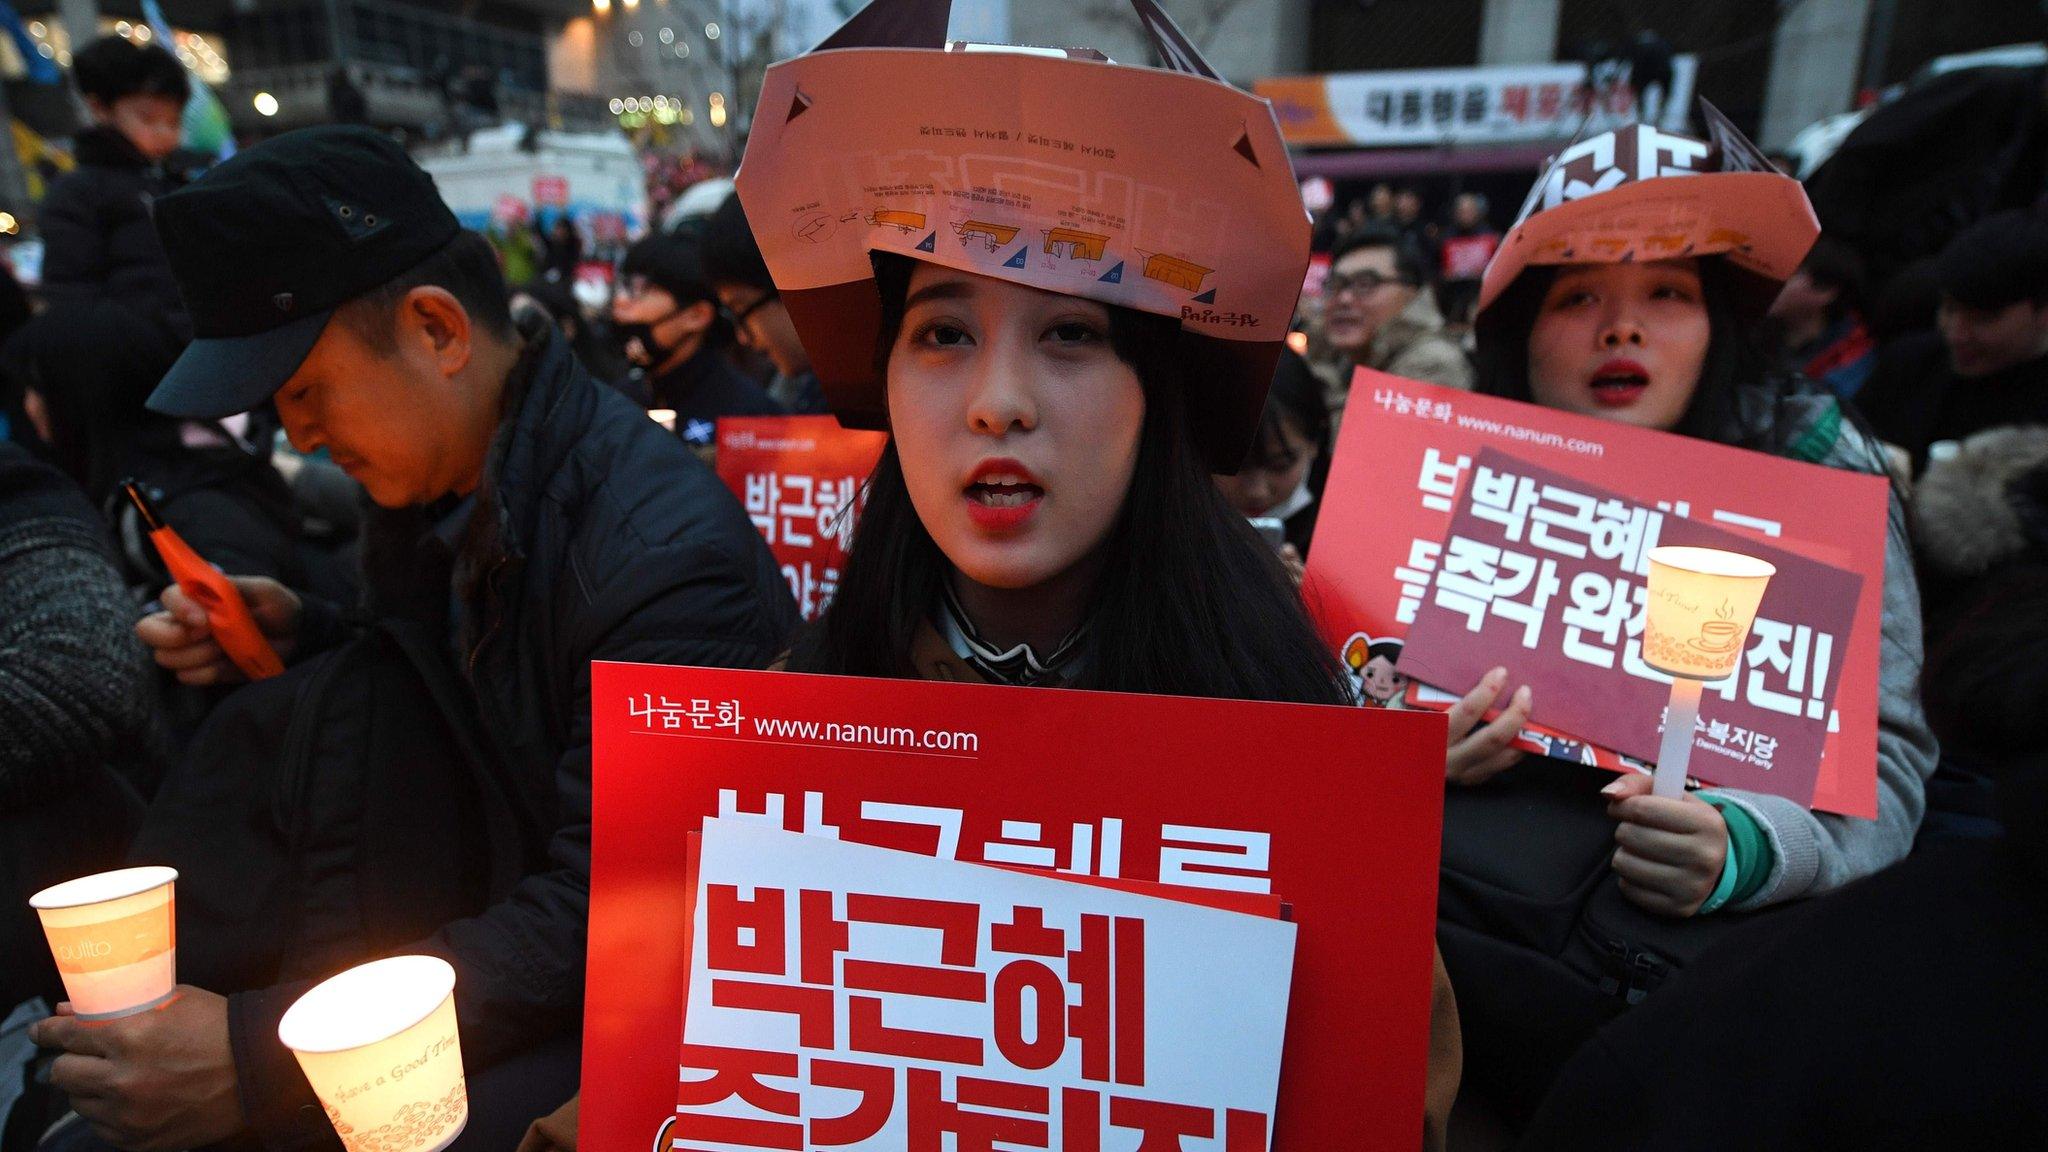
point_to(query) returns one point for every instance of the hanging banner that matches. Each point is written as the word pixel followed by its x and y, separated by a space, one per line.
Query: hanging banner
pixel 1222 802
pixel 800 479
pixel 1407 457
pixel 1509 104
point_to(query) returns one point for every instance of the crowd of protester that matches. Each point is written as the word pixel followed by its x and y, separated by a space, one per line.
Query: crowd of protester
pixel 407 446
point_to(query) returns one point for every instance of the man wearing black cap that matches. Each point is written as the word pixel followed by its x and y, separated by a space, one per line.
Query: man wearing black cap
pixel 1989 366
pixel 665 311
pixel 740 276
pixel 539 519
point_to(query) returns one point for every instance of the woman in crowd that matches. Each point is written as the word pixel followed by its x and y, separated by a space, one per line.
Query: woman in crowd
pixel 1044 512
pixel 1664 344
pixel 1282 479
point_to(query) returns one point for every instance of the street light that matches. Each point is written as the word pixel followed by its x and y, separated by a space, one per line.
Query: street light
pixel 266 104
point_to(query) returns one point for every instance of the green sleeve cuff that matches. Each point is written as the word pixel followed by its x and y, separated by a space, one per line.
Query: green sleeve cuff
pixel 1750 858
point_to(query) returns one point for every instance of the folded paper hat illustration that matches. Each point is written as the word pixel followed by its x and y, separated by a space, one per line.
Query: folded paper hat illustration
pixel 1639 193
pixel 1163 190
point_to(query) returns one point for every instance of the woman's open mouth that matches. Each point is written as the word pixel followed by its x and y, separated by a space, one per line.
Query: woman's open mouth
pixel 1002 495
pixel 1619 383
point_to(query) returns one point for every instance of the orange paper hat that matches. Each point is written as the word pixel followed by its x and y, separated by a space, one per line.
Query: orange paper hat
pixel 1162 190
pixel 1640 193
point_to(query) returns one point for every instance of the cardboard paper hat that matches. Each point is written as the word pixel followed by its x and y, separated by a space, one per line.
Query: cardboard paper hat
pixel 1639 193
pixel 1162 190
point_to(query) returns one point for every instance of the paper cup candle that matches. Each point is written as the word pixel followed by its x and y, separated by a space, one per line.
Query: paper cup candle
pixel 115 940
pixel 378 1044
pixel 1702 602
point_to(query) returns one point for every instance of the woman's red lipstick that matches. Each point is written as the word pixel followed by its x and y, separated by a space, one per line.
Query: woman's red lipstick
pixel 1619 383
pixel 1002 495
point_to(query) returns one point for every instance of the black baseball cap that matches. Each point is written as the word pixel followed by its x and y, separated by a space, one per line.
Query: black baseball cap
pixel 267 245
pixel 670 261
pixel 1999 261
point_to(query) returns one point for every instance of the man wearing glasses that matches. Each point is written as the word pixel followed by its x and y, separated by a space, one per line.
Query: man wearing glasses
pixel 676 336
pixel 1379 312
pixel 733 262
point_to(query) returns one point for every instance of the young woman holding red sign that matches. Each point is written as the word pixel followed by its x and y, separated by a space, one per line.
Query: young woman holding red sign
pixel 1057 387
pixel 1665 344
pixel 1670 345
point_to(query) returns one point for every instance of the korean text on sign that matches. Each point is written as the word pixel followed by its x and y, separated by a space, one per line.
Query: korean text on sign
pixel 1548 575
pixel 801 480
pixel 848 996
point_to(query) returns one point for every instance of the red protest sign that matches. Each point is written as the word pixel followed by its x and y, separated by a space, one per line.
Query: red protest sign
pixel 1202 794
pixel 800 479
pixel 1466 257
pixel 1546 576
pixel 1406 451
pixel 551 191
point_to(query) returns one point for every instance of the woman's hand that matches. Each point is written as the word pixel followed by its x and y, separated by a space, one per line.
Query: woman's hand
pixel 1668 852
pixel 1479 753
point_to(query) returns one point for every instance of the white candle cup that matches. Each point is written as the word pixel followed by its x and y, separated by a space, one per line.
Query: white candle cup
pixel 1701 604
pixel 114 937
pixel 379 1045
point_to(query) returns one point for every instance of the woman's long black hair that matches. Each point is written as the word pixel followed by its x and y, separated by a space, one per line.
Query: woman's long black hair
pixel 1190 601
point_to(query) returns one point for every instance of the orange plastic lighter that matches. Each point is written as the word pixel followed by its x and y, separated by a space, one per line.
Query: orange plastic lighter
pixel 234 629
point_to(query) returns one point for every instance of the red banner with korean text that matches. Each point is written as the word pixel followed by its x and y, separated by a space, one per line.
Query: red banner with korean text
pixel 1404 457
pixel 1209 797
pixel 1526 538
pixel 800 479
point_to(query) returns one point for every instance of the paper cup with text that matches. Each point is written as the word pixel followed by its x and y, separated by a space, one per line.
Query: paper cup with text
pixel 379 1046
pixel 1701 603
pixel 114 936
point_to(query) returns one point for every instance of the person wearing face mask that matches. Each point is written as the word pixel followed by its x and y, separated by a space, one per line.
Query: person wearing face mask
pixel 1379 313
pixel 1667 344
pixel 1282 478
pixel 670 327
pixel 98 240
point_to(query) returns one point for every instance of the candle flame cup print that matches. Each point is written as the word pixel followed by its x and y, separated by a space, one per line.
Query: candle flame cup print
pixel 379 1045
pixel 1702 602
pixel 114 937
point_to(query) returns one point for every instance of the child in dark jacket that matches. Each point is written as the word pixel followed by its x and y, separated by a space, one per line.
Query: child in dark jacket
pixel 99 240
